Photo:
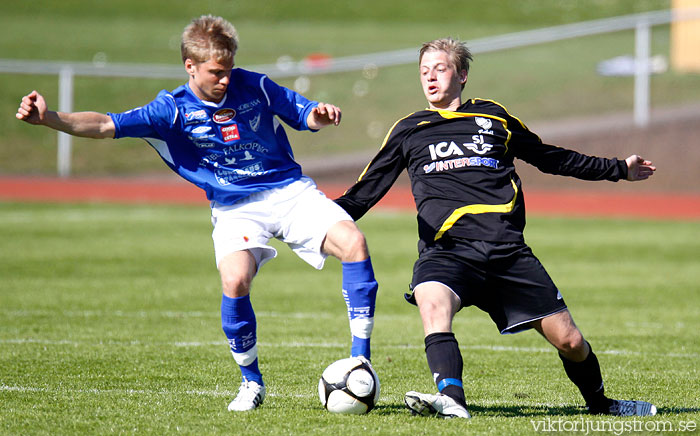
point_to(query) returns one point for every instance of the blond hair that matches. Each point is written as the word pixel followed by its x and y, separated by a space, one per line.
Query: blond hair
pixel 209 37
pixel 458 52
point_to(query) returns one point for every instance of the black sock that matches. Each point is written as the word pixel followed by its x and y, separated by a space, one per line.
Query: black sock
pixel 588 379
pixel 445 362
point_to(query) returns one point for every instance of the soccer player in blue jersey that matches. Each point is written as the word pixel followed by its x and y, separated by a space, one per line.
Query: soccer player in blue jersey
pixel 221 131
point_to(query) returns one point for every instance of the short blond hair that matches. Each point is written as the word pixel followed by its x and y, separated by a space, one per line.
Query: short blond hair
pixel 209 37
pixel 458 52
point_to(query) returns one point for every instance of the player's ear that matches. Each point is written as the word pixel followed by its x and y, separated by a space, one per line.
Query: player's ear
pixel 463 77
pixel 189 66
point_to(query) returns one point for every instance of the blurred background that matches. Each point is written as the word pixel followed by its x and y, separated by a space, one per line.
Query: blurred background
pixel 576 92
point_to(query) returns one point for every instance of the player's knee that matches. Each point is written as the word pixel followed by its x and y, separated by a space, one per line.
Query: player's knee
pixel 436 314
pixel 349 242
pixel 431 310
pixel 572 343
pixel 235 285
pixel 356 244
pixel 436 321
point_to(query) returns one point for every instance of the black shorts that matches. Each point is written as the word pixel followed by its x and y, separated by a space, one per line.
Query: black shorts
pixel 505 280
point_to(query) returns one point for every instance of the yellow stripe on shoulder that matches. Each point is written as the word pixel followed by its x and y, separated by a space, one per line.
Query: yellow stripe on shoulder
pixel 503 107
pixel 452 114
pixel 477 209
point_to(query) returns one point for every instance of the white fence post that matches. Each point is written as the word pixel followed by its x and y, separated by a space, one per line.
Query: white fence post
pixel 642 72
pixel 65 104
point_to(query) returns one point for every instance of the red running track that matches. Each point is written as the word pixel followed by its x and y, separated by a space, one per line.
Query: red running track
pixel 654 205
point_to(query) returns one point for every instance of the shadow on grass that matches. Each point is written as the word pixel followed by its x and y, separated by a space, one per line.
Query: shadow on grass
pixel 504 411
pixel 676 410
pixel 523 411
pixel 529 411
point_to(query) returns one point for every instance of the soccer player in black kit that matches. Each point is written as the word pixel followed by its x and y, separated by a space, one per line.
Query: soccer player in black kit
pixel 471 215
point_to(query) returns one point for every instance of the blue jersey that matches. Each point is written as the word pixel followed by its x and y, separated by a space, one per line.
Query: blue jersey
pixel 229 149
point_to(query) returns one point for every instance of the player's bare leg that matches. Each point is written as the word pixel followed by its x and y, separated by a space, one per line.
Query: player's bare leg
pixel 582 367
pixel 437 305
pixel 237 271
pixel 559 329
pixel 347 243
pixel 239 324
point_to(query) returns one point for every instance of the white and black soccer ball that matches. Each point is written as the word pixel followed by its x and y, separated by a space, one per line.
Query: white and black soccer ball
pixel 349 386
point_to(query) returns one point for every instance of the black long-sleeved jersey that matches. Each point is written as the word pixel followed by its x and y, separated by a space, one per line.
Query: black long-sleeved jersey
pixel 462 174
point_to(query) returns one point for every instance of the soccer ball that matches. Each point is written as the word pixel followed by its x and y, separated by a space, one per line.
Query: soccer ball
pixel 349 386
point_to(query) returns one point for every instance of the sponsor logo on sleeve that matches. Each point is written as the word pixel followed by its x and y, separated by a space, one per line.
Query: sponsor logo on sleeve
pixel 224 116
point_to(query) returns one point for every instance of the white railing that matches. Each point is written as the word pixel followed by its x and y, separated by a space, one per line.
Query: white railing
pixel 641 23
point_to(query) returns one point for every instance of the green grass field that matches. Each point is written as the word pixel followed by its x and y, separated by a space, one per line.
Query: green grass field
pixel 109 324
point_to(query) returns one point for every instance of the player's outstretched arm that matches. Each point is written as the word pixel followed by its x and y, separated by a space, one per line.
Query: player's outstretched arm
pixel 639 168
pixel 34 110
pixel 323 115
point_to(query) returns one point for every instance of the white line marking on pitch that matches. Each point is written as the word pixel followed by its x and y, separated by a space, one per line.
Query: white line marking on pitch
pixel 293 344
pixel 206 393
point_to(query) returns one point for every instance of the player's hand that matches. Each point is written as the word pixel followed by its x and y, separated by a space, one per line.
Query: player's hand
pixel 324 115
pixel 32 108
pixel 639 168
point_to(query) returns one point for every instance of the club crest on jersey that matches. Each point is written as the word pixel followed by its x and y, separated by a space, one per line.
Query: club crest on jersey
pixel 255 123
pixel 230 133
pixel 485 124
pixel 224 116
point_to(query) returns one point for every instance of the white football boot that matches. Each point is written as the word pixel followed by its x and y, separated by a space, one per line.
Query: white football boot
pixel 438 405
pixel 250 395
pixel 631 408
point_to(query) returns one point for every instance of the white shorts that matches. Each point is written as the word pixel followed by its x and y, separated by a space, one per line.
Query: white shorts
pixel 297 214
